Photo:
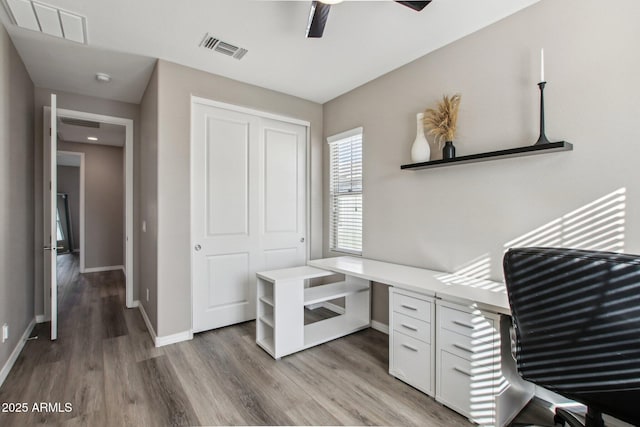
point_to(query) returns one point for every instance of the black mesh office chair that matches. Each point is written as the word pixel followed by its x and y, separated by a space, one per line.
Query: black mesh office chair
pixel 577 320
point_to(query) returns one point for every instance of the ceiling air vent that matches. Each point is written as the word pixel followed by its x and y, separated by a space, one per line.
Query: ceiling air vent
pixel 217 45
pixel 80 122
pixel 36 16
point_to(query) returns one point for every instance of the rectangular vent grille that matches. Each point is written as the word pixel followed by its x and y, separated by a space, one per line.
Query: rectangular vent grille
pixel 80 122
pixel 217 45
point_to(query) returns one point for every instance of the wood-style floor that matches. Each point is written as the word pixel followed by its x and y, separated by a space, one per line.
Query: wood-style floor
pixel 105 365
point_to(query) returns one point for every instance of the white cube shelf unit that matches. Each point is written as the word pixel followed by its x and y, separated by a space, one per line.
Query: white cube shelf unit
pixel 281 298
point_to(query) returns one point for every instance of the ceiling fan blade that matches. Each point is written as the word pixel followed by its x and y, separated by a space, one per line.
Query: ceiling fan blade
pixel 317 19
pixel 415 5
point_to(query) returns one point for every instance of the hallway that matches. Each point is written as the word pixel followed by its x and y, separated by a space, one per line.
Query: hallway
pixel 72 369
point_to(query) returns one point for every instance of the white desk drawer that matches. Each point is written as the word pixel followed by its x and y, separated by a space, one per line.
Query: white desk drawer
pixel 415 328
pixel 454 383
pixel 478 347
pixel 463 323
pixel 412 361
pixel 413 307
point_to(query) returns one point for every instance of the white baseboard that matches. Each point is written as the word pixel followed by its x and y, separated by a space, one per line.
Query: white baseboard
pixel 4 372
pixel 40 318
pixel 379 326
pixel 314 306
pixel 164 340
pixel 147 322
pixel 172 339
pixel 107 268
pixel 333 307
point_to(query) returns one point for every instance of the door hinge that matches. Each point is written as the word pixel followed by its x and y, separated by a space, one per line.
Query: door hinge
pixel 49 131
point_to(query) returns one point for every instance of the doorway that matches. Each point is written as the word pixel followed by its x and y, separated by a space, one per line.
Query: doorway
pixel 76 119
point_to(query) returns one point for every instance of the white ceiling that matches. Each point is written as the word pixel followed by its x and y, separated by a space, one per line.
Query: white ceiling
pixel 362 40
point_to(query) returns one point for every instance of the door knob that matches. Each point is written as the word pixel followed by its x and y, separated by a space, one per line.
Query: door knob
pixel 302 240
pixel 197 248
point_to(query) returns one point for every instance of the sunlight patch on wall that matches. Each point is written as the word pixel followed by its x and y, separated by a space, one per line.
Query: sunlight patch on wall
pixel 599 226
pixel 474 274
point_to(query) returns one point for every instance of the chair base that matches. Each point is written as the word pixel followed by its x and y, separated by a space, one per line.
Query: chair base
pixel 593 418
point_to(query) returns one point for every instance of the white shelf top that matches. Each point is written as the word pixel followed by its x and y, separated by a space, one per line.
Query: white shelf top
pixel 268 319
pixel 296 273
pixel 267 300
pixel 316 294
pixel 486 294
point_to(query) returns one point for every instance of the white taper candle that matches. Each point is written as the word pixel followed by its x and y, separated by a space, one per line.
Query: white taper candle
pixel 541 65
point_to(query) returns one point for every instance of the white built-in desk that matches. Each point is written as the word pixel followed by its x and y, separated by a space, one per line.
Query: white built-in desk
pixel 485 294
pixel 448 337
pixel 282 296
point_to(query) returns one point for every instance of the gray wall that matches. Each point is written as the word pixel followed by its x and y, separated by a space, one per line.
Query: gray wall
pixel 86 104
pixel 148 199
pixel 450 218
pixel 176 85
pixel 69 183
pixel 16 196
pixel 103 203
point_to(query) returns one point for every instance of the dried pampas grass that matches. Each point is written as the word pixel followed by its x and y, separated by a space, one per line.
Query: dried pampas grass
pixel 441 121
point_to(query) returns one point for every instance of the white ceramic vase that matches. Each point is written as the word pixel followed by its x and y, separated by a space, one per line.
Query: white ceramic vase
pixel 420 150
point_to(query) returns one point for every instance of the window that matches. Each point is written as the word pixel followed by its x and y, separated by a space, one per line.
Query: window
pixel 345 192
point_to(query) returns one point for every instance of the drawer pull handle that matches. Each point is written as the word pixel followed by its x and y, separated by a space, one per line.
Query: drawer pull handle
pixel 409 307
pixel 461 347
pixel 411 328
pixel 409 347
pixel 464 325
pixel 462 371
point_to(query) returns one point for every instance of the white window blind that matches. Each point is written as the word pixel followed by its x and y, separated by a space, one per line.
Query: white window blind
pixel 345 192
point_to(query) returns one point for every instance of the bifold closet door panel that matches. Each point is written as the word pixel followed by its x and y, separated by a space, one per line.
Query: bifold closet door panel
pixel 248 192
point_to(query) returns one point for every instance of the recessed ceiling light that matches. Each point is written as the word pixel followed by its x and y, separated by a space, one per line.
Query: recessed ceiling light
pixel 103 77
pixel 92 138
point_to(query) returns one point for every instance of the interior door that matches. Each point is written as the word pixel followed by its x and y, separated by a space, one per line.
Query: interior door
pixel 248 209
pixel 50 194
pixel 283 194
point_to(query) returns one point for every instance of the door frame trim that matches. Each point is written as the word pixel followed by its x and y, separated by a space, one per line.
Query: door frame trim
pixel 128 154
pixel 262 114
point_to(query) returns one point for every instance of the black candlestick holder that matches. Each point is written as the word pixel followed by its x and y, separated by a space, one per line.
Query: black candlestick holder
pixel 542 139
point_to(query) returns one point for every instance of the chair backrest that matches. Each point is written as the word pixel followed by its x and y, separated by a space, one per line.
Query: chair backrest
pixel 577 320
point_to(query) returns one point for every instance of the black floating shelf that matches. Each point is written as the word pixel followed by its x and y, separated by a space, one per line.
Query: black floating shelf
pixel 529 150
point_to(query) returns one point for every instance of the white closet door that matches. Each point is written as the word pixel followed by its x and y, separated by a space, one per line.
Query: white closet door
pixel 245 209
pixel 282 199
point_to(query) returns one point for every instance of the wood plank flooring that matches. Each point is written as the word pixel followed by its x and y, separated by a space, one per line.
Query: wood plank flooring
pixel 105 365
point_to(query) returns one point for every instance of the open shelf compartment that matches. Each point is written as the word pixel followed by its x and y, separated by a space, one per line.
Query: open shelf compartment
pixel 321 293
